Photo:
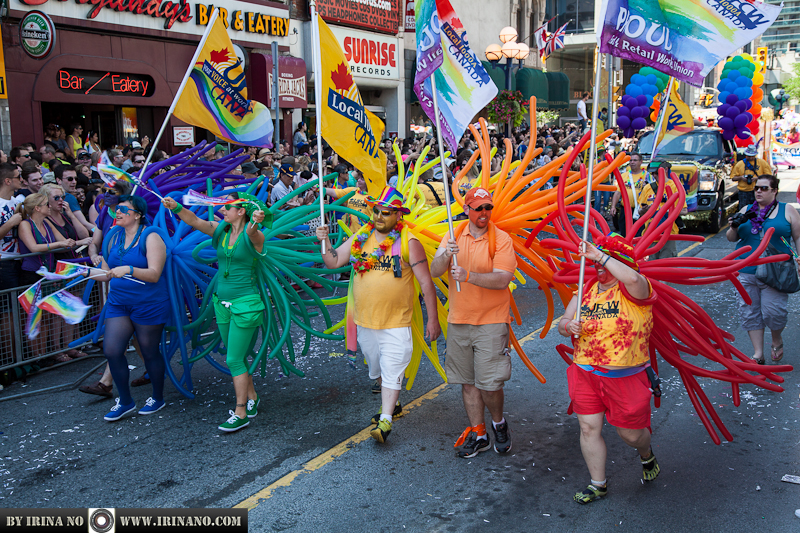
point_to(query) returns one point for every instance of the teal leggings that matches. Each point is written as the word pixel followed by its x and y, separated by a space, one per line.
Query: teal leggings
pixel 236 340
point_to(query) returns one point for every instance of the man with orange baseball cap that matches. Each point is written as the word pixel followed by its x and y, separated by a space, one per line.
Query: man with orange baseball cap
pixel 478 322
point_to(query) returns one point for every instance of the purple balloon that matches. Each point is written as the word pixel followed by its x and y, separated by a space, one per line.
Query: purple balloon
pixel 628 132
pixel 623 121
pixel 636 112
pixel 732 112
pixel 623 112
pixel 749 117
pixel 639 123
pixel 641 100
pixel 741 121
pixel 725 123
pixel 722 109
pixel 748 104
pixel 728 135
pixel 744 134
pixel 732 99
pixel 742 105
pixel 626 98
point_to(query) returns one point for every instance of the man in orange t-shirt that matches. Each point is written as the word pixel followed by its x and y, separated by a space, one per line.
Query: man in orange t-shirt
pixel 477 326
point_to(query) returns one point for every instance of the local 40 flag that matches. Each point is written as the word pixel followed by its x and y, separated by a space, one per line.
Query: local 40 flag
pixel 215 96
pixel 463 87
pixel 352 131
pixel 677 121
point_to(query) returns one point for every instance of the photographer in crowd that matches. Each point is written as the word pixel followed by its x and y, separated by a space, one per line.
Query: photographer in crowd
pixel 768 307
pixel 746 172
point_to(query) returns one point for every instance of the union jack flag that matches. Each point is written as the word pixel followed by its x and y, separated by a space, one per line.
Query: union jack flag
pixel 555 41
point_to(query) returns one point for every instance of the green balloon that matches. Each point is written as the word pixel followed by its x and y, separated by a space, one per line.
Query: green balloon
pixel 661 85
pixel 746 73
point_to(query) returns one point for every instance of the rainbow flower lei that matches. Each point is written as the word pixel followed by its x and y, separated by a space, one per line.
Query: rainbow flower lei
pixel 364 265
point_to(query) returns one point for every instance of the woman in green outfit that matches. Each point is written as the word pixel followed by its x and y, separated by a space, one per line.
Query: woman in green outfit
pixel 237 304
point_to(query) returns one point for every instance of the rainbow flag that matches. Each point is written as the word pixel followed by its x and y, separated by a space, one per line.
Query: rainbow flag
pixel 29 302
pixel 66 305
pixel 215 98
pixel 63 270
pixel 195 198
pixel 111 174
pixel 463 87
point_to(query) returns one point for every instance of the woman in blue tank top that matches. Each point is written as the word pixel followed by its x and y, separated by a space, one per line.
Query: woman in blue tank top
pixel 138 302
pixel 768 307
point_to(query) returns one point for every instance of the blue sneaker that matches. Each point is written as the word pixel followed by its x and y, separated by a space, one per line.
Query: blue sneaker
pixel 119 410
pixel 151 406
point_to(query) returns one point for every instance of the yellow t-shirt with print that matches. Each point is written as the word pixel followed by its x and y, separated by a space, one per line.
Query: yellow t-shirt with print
pixel 357 202
pixel 739 169
pixel 616 330
pixel 639 181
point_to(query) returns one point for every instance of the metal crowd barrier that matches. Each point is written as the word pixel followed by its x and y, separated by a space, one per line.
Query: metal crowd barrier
pixel 15 347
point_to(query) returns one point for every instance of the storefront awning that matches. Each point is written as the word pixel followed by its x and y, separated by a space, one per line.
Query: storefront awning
pixel 558 86
pixel 533 82
pixel 498 76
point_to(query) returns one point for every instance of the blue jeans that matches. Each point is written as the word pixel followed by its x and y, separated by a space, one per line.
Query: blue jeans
pixel 601 198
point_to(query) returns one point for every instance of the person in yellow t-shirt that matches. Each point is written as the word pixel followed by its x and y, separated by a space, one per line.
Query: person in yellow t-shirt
pixel 637 176
pixel 383 296
pixel 646 198
pixel 611 375
pixel 357 202
pixel 746 172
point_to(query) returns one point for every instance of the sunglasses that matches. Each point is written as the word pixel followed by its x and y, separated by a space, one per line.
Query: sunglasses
pixel 138 162
pixel 70 178
pixel 58 198
pixel 762 188
pixel 228 207
pixel 486 207
pixel 25 155
pixel 124 209
pixel 383 213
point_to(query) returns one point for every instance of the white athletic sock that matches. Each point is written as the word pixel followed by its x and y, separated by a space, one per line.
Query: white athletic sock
pixel 599 483
pixel 384 416
pixel 495 424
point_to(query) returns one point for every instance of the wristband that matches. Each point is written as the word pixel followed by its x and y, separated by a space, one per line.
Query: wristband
pixel 48 246
pixel 466 280
pixel 131 267
pixel 177 209
pixel 603 264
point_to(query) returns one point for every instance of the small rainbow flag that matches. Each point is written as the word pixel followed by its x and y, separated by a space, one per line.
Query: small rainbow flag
pixel 193 197
pixel 29 300
pixel 63 270
pixel 111 174
pixel 66 305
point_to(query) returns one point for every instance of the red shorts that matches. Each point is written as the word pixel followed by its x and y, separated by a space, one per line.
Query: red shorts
pixel 625 401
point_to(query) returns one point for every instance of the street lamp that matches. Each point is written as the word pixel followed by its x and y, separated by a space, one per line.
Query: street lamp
pixel 511 50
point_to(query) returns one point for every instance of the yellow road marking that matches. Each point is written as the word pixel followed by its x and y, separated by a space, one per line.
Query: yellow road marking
pixel 699 243
pixel 324 458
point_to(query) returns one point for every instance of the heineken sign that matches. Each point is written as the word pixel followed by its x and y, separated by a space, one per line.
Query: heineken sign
pixel 37 34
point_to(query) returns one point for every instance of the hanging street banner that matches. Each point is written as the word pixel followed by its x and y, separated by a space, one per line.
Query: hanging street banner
pixel 682 38
pixel 463 86
pixel 787 155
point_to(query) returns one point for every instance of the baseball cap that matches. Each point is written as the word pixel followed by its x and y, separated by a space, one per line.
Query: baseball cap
pixel 135 145
pixel 249 168
pixel 477 197
pixel 287 168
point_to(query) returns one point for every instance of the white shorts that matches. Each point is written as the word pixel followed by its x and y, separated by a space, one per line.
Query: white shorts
pixel 388 352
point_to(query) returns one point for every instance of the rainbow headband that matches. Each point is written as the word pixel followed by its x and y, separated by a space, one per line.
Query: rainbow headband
pixel 390 198
pixel 615 245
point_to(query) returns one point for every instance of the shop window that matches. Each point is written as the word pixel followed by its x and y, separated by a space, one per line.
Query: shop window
pixel 534 25
pixel 579 12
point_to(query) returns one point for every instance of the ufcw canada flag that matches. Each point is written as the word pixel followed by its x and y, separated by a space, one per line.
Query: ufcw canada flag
pixel 215 97
pixel 352 131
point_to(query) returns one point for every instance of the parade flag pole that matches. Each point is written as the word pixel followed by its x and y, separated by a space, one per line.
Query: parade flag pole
pixel 592 158
pixel 660 121
pixel 444 167
pixel 178 93
pixel 317 50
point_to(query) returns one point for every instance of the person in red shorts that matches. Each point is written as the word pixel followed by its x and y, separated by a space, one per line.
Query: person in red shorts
pixel 609 375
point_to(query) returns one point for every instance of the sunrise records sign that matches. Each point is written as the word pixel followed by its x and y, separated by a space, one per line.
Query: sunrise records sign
pixel 37 34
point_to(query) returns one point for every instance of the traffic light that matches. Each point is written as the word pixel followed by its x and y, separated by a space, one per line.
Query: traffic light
pixel 761 59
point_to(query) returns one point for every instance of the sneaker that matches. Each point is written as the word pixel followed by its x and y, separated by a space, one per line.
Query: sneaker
pixel 590 494
pixel 376 387
pixel 119 410
pixel 397 413
pixel 502 438
pixel 381 431
pixel 473 446
pixel 252 407
pixel 98 389
pixel 650 468
pixel 234 423
pixel 151 406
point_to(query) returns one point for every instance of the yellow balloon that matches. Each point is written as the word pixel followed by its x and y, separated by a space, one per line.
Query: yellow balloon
pixel 758 79
pixel 748 57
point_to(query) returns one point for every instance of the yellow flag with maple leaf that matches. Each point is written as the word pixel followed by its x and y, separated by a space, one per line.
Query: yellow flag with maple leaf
pixel 352 131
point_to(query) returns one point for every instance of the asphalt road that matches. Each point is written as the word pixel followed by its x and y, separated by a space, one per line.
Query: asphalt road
pixel 306 463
